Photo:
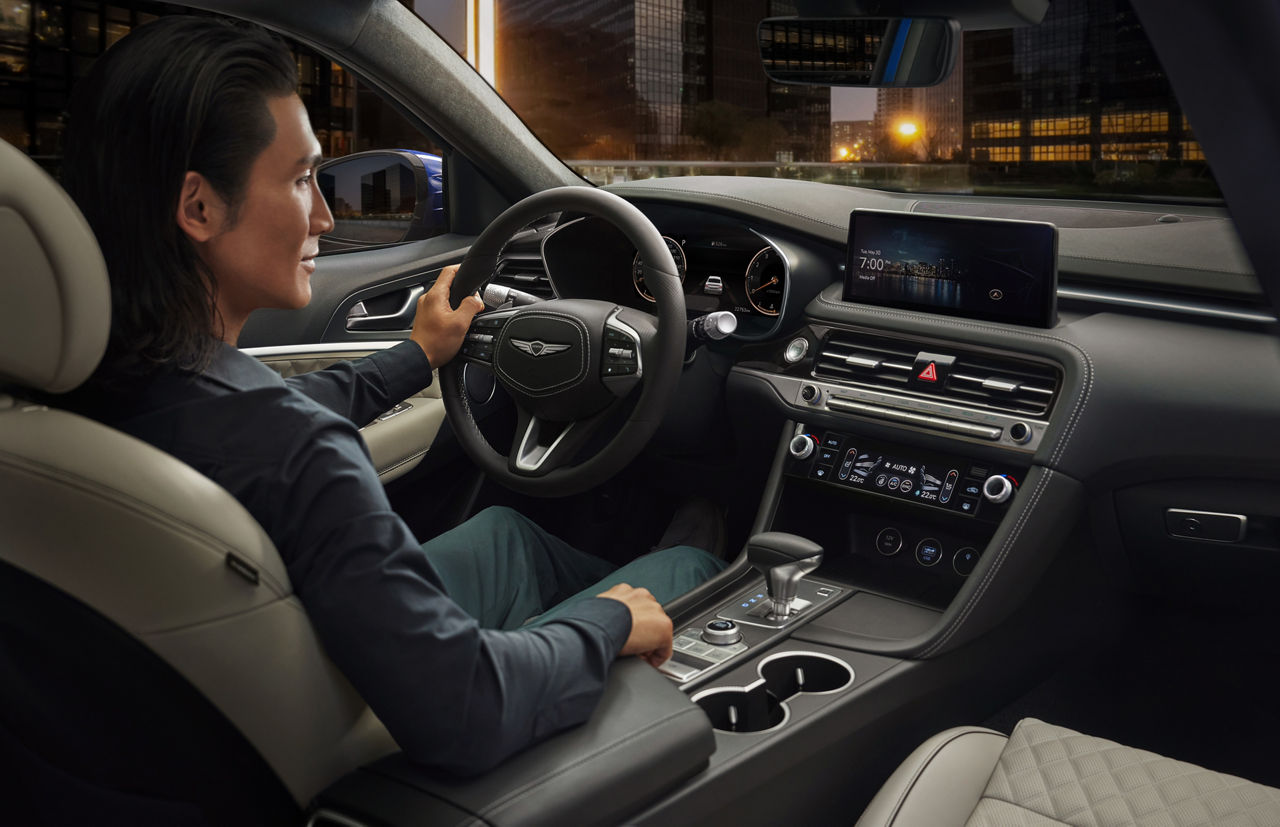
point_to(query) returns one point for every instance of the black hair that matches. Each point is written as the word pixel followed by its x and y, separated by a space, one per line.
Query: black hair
pixel 179 94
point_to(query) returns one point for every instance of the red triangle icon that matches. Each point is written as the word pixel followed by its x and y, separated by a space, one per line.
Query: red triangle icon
pixel 929 374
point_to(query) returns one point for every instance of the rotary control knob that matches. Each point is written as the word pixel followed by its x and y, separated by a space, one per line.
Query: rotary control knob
pixel 997 488
pixel 802 446
pixel 721 633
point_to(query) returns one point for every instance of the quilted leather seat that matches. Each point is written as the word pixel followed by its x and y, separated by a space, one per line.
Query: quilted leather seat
pixel 1043 775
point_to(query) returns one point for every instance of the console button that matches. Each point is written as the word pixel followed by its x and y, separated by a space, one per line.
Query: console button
pixel 928 552
pixel 832 441
pixel 969 505
pixel 826 456
pixel 881 480
pixel 906 486
pixel 949 486
pixel 964 561
pixel 847 466
pixel 721 632
pixel 822 472
pixel 894 482
pixel 889 541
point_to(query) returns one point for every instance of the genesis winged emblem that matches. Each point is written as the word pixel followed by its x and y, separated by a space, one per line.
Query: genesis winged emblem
pixel 536 347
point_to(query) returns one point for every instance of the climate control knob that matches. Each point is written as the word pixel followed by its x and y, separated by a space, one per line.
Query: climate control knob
pixel 802 446
pixel 997 488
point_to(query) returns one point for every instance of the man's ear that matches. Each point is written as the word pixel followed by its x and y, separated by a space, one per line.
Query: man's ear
pixel 201 211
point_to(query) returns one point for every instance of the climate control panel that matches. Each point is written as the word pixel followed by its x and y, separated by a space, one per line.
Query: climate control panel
pixel 974 488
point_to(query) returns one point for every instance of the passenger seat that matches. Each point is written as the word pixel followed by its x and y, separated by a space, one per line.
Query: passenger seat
pixel 1044 775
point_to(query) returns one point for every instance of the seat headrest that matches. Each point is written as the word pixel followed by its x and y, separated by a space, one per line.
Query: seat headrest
pixel 55 300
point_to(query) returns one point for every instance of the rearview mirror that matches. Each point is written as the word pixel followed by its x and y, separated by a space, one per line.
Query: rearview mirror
pixel 382 197
pixel 863 51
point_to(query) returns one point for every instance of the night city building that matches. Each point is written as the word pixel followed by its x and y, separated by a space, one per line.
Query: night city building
pixel 936 112
pixel 851 140
pixel 44 48
pixel 1093 81
pixel 636 79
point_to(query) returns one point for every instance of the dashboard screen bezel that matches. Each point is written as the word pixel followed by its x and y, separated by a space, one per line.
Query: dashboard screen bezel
pixel 1043 308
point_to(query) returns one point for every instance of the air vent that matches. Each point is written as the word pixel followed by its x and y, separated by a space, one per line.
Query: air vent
pixel 869 360
pixel 977 380
pixel 524 271
pixel 1003 384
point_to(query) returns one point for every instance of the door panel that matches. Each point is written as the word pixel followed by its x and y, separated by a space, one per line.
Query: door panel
pixel 398 439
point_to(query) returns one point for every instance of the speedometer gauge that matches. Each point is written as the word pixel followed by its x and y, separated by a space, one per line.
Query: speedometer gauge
pixel 637 267
pixel 767 281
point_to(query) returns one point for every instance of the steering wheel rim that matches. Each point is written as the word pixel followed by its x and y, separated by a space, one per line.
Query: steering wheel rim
pixel 660 347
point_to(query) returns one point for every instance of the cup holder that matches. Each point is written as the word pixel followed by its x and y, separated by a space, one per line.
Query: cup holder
pixel 762 706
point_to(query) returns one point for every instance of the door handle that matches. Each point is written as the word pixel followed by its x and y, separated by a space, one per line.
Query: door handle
pixel 358 317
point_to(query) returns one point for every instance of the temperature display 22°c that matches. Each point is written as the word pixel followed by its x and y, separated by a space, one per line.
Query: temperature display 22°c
pixel 767 281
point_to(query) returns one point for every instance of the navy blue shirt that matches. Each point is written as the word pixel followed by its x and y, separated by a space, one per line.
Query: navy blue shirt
pixel 453 695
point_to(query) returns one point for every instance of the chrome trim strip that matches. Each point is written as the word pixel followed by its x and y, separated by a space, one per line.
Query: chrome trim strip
pixel 1173 305
pixel 321 347
pixel 909 411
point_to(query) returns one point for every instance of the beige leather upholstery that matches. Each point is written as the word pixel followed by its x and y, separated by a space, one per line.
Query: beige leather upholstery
pixel 54 294
pixel 141 537
pixel 940 783
pixel 1045 776
pixel 396 444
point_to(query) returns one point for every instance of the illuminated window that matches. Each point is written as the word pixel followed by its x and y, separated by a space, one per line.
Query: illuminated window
pixel 1061 152
pixel 997 154
pixel 995 129
pixel 1192 151
pixel 1135 122
pixel 1138 151
pixel 1078 125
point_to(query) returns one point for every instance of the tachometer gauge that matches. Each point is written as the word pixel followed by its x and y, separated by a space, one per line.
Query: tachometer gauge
pixel 637 267
pixel 767 281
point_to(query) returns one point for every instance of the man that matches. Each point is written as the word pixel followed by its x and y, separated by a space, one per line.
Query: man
pixel 192 158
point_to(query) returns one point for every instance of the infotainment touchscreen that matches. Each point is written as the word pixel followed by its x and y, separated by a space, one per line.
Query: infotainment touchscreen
pixel 982 268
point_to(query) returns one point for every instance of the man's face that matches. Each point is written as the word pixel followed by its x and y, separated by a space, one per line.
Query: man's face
pixel 266 256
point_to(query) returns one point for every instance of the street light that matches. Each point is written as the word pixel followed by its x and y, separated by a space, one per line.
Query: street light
pixel 908 129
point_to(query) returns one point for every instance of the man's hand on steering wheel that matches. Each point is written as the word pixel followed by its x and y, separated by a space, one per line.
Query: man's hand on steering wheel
pixel 437 327
pixel 569 364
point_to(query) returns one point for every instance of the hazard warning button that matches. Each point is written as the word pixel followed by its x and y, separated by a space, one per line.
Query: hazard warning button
pixel 931 369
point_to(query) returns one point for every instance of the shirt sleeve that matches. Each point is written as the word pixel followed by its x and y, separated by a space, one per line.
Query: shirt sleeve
pixel 362 389
pixel 453 695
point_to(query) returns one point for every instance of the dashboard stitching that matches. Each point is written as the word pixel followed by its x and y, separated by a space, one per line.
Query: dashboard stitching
pixel 1240 274
pixel 1076 412
pixel 990 577
pixel 583 340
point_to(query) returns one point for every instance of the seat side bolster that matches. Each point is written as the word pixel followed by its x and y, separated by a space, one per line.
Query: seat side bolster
pixel 940 783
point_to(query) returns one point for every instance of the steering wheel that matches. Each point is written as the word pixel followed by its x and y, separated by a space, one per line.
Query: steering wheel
pixel 568 364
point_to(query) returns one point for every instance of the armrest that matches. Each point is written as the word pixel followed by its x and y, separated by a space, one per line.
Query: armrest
pixel 643 739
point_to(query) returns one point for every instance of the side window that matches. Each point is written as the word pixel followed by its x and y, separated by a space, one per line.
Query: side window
pixel 389 185
pixel 46 46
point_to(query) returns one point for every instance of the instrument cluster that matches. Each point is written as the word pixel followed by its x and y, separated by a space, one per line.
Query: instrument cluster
pixel 745 275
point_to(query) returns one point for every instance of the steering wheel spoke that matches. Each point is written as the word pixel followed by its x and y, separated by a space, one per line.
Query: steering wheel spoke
pixel 541 446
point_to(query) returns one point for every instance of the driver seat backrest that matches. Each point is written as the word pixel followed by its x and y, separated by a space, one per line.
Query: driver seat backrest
pixel 169 608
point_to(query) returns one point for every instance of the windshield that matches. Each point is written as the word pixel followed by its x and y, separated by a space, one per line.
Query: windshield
pixel 1075 107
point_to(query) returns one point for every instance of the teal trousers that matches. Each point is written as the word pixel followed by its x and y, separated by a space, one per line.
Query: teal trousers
pixel 506 571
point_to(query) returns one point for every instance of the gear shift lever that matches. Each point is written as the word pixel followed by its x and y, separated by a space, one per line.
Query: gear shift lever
pixel 783 559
